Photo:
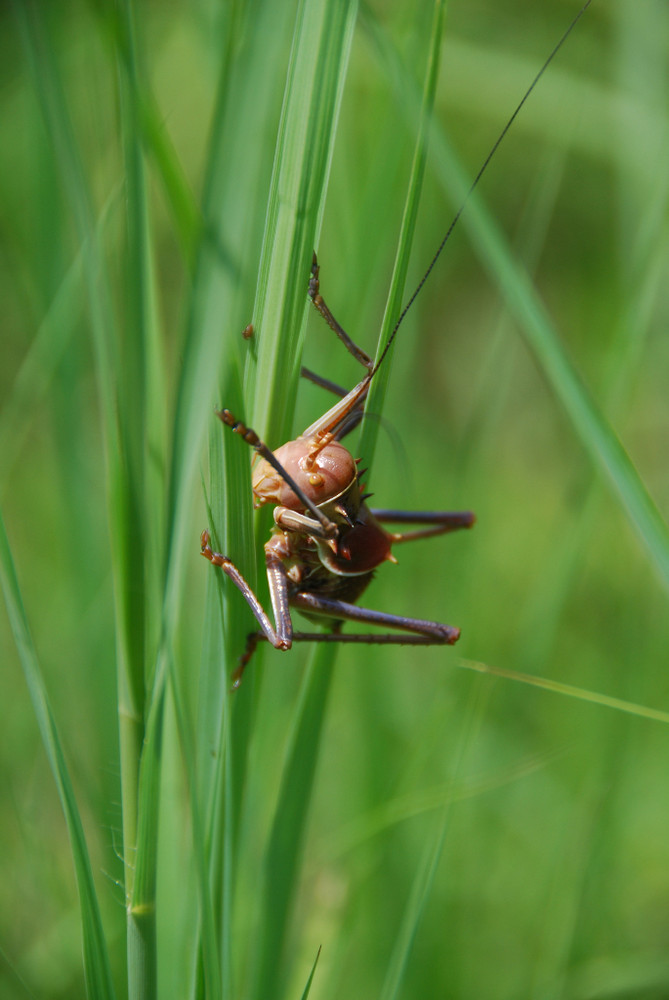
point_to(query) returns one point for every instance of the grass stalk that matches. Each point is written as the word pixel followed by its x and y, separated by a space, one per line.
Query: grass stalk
pixel 97 967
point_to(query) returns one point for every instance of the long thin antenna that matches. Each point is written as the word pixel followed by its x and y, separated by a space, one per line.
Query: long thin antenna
pixel 476 180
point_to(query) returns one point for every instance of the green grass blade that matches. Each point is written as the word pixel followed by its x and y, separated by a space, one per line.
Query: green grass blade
pixel 569 690
pixel 149 128
pixel 38 368
pixel 185 210
pixel 212 373
pixel 141 927
pixel 425 873
pixel 122 492
pixel 307 988
pixel 318 63
pixel 420 890
pixel 282 859
pixel 589 422
pixel 96 959
pixel 302 160
pixel 209 957
pixel 141 418
pixel 396 292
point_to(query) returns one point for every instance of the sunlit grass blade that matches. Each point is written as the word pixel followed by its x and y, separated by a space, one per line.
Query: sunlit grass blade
pixel 141 911
pixel 396 292
pixel 39 367
pixel 569 690
pixel 426 871
pixel 422 883
pixel 303 153
pixel 588 420
pixel 221 307
pixel 96 959
pixel 316 74
pixel 123 488
pixel 307 988
pixel 284 850
pixel 211 377
pixel 283 855
pixel 142 421
pixel 206 952
pixel 427 800
pixel 296 227
pixel 185 210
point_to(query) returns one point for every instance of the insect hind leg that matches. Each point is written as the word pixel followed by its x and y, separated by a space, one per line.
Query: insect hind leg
pixel 429 633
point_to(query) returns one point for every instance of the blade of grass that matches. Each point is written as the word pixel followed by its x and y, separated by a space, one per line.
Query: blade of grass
pixel 588 421
pixel 149 125
pixel 46 350
pixel 141 418
pixel 219 287
pixel 377 392
pixel 141 909
pixel 209 957
pixel 301 166
pixel 96 959
pixel 307 988
pixel 282 859
pixel 220 307
pixel 143 394
pixel 312 97
pixel 123 490
pixel 427 869
pixel 570 690
pixel 253 53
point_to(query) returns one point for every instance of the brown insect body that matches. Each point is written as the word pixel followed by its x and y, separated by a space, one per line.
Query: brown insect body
pixel 328 475
pixel 326 542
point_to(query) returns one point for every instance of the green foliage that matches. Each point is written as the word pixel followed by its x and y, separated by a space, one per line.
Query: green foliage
pixel 498 830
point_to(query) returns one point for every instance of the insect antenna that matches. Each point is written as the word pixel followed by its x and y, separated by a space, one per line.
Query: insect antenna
pixel 475 183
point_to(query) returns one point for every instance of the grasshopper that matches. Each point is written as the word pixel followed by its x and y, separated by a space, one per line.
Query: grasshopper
pixel 326 543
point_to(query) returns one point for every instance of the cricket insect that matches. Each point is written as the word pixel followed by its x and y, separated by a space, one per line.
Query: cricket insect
pixel 326 542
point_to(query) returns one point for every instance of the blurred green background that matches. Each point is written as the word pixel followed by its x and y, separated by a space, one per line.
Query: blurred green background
pixel 545 817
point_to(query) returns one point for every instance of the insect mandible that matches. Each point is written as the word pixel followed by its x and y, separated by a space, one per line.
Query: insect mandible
pixel 326 543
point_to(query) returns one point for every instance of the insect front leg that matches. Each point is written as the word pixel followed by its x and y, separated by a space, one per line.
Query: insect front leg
pixel 280 636
pixel 292 520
